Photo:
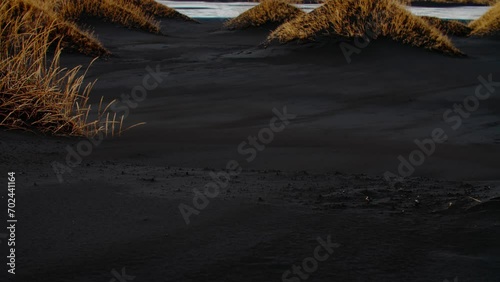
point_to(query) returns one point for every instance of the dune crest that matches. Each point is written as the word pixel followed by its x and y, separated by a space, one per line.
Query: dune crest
pixel 267 12
pixel 488 24
pixel 449 27
pixel 357 18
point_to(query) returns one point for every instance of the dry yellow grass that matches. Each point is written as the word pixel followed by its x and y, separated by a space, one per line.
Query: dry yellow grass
pixel 129 13
pixel 267 12
pixel 488 24
pixel 123 12
pixel 156 9
pixel 449 27
pixel 72 37
pixel 36 94
pixel 356 18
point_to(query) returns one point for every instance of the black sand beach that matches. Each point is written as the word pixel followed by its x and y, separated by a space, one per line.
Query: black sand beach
pixel 321 176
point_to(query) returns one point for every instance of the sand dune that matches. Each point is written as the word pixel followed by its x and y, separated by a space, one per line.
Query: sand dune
pixel 321 176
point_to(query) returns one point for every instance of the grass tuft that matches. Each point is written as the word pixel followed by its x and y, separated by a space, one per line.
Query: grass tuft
pixel 267 12
pixel 71 36
pixel 122 12
pixel 154 8
pixel 36 94
pixel 358 18
pixel 488 24
pixel 449 27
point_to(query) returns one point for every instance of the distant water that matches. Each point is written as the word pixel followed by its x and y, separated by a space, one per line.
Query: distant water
pixel 201 9
pixel 466 13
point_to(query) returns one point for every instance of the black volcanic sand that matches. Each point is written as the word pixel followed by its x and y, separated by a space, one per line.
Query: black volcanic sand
pixel 320 177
